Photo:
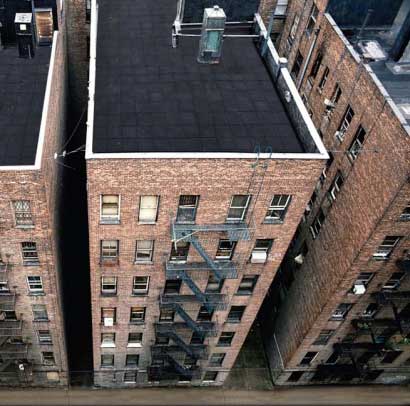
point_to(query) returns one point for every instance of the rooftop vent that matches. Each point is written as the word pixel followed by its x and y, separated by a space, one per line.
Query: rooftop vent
pixel 23 24
pixel 213 27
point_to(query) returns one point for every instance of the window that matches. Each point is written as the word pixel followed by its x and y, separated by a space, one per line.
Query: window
pixel 238 207
pixel 308 358
pixel 405 215
pixel 161 340
pixel 35 284
pixel 4 287
pixel 334 357
pixel 110 209
pixel 370 310
pixel 108 285
pixel 261 250
pixel 137 314
pixel 108 340
pixel 323 337
pixel 180 252
pixel 210 376
pixel 329 162
pixel 345 123
pixel 317 223
pixel 204 314
pixel 172 287
pixel 22 213
pixel 225 339
pixel 295 376
pixel 166 315
pixel 130 377
pixel 335 187
pixel 48 358
pixel 29 252
pixel 107 360
pixel 44 337
pixel 314 12
pixel 394 281
pixel 386 247
pixel 247 285
pixel 148 209
pixel 109 250
pixel 132 360
pixel 235 314
pixel 357 143
pixel 144 250
pixel 315 67
pixel 334 100
pixel 216 359
pixel 140 285
pixel 341 311
pixel 108 315
pixel 277 208
pixel 281 7
pixel 323 80
pixel 391 356
pixel 213 285
pixel 225 250
pixel 40 312
pixel 134 340
pixel 187 208
pixel 190 362
pixel 197 338
pixel 293 29
pixel 297 65
pixel 364 278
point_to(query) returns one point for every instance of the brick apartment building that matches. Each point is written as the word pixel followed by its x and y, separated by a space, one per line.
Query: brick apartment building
pixel 341 299
pixel 32 121
pixel 188 223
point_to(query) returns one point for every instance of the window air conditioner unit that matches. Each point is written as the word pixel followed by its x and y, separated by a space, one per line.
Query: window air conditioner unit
pixel 359 289
pixel 108 321
pixel 259 257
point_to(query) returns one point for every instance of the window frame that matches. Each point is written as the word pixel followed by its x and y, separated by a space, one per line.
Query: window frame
pixel 33 290
pixel 405 214
pixel 208 373
pixel 313 17
pixel 108 292
pixel 138 342
pixel 138 251
pixel 174 256
pixel 237 309
pixel 106 343
pixel 341 311
pixel 43 311
pixel 23 218
pixel 230 337
pixel 281 208
pixel 128 357
pixel 220 250
pixel 317 223
pixel 254 280
pixel 357 143
pixel 44 337
pixel 109 258
pixel 182 207
pixel 216 359
pixel 335 187
pixel 48 359
pixel 29 260
pixel 345 123
pixel 382 253
pixel 243 208
pixel 323 79
pixel 140 207
pixel 110 218
pixel 142 310
pixel 324 337
pixel 103 364
pixel 106 310
pixel 140 292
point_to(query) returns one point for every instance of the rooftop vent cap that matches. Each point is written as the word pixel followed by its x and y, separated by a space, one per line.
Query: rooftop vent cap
pixel 213 28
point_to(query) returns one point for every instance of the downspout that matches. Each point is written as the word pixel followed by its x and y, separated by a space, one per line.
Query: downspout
pixel 302 76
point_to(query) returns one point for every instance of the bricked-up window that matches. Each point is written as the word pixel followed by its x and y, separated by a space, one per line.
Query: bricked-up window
pixel 261 250
pixel 108 315
pixel 134 340
pixel 22 213
pixel 130 377
pixel 35 284
pixel 140 285
pixel 391 356
pixel 196 338
pixel 225 250
pixel 297 65
pixel 308 358
pixel 317 223
pixel 238 207
pixel 235 314
pixel 48 358
pixel 110 209
pixel 323 337
pixel 187 208
pixel 144 250
pixel 345 124
pixel 214 285
pixel 172 286
pixel 132 360
pixel 204 314
pixel 107 360
pixel 394 281
pixel 148 209
pixel 180 252
pixel 315 67
pixel 225 339
pixel 216 359
pixel 314 12
pixel 210 376
pixel 341 311
pixel 405 214
pixel 137 314
pixel 387 246
pixel 335 187
pixel 44 337
pixel 108 285
pixel 109 250
pixel 357 143
pixel 166 315
pixel 247 284
pixel 108 340
pixel 29 253
pixel 293 29
pixel 39 312
pixel 323 79
pixel 277 208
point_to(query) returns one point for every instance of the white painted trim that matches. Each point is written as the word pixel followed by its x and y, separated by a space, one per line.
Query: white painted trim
pixel 44 116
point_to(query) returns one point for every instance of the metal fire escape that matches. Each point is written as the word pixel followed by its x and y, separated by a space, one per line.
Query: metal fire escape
pixel 13 351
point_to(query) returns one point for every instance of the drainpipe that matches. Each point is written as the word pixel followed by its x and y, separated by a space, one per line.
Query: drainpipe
pixel 302 76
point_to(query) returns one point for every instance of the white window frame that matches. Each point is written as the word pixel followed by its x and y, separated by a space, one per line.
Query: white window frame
pixel 110 218
pixel 42 338
pixel 108 343
pixel 148 250
pixel 345 123
pixel 357 145
pixel 136 344
pixel 140 292
pixel 30 260
pixel 384 253
pixel 244 208
pixel 148 221
pixel 110 257
pixel 313 16
pixel 231 251
pixel 335 187
pixel 109 291
pixel 192 207
pixel 32 289
pixel 293 29
pixel 23 217
pixel 338 315
pixel 317 225
pixel 281 207
pixel 281 8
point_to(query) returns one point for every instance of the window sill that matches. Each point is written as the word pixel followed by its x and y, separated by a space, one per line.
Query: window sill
pixel 223 345
pixel 184 222
pixel 50 343
pixel 108 294
pixel 25 227
pixel 36 294
pixel 107 345
pixel 233 322
pixel 31 263
pixel 41 320
pixel 147 223
pixel 143 263
pixel 272 221
pixel 108 222
pixel 243 293
pixel 134 345
pixel 139 294
pixel 107 262
pixel 137 323
pixel 107 367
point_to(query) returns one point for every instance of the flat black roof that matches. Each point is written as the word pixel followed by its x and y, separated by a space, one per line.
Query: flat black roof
pixel 22 88
pixel 153 98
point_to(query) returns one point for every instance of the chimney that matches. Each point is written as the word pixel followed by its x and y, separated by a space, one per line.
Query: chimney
pixel 23 24
pixel 213 27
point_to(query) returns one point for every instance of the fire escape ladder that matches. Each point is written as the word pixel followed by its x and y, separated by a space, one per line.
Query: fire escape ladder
pixel 211 263
pixel 180 369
